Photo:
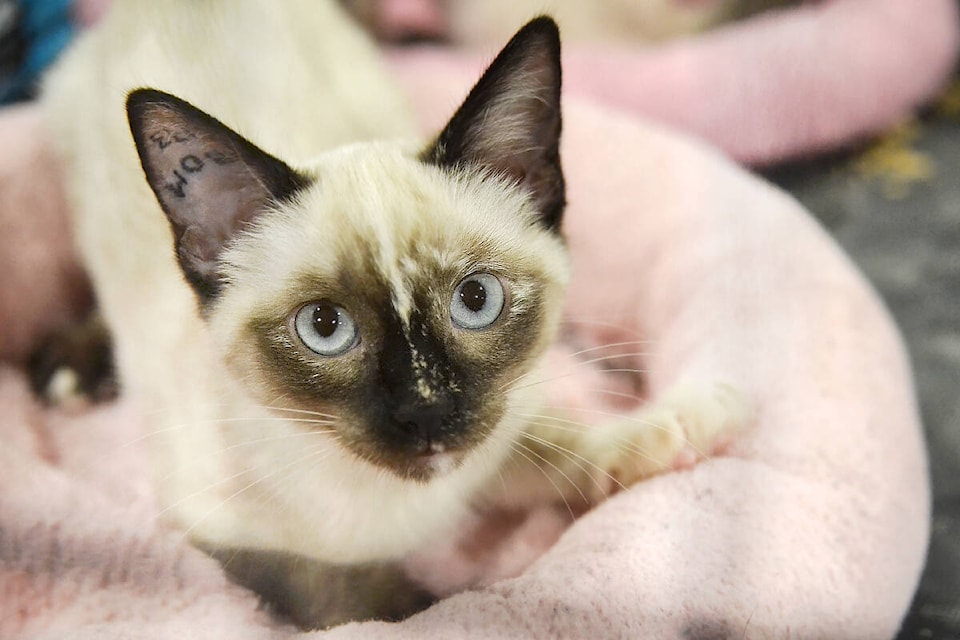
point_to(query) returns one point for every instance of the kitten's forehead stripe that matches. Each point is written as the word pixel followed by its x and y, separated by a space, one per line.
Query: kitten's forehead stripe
pixel 388 265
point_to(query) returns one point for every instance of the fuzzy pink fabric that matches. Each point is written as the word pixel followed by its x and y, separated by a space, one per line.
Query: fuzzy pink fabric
pixel 774 87
pixel 42 287
pixel 813 525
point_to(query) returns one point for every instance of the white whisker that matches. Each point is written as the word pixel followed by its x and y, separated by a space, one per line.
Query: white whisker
pixel 219 421
pixel 241 490
pixel 611 356
pixel 630 417
pixel 514 444
pixel 610 345
pixel 570 375
pixel 592 322
pixel 246 443
pixel 574 457
pixel 578 427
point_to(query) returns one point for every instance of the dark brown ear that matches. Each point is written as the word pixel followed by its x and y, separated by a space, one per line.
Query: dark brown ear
pixel 209 180
pixel 510 121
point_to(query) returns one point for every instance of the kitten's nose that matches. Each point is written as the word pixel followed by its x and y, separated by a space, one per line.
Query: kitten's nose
pixel 423 420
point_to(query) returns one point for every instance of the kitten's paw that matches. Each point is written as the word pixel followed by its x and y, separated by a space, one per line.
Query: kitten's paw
pixel 75 365
pixel 686 424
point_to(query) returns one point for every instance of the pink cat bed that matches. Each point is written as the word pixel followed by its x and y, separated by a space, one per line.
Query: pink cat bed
pixel 812 524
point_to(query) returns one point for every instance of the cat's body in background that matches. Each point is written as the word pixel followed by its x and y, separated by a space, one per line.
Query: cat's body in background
pixel 262 439
pixel 466 22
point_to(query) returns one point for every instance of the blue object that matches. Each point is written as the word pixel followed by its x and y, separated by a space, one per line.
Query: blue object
pixel 45 27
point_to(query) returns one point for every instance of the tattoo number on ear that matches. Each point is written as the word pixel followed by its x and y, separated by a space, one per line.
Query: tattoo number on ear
pixel 176 188
pixel 191 163
pixel 164 139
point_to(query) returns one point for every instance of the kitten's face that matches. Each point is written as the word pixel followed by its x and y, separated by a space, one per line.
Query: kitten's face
pixel 406 314
pixel 402 293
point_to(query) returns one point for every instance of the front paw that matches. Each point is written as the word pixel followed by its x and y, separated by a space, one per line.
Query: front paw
pixel 686 424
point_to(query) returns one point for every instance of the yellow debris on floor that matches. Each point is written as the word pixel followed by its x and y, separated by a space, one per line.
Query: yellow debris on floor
pixel 949 102
pixel 893 162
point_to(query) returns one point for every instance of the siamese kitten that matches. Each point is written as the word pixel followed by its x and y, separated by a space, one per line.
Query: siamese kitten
pixel 324 331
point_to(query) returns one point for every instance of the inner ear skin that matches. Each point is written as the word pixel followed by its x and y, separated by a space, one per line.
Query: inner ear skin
pixel 510 122
pixel 210 181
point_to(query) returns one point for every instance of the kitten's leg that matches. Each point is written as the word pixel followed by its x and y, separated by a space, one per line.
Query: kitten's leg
pixel 75 363
pixel 317 595
pixel 686 424
pixel 586 464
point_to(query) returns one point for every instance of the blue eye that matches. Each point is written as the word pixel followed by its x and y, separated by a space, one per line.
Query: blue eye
pixel 326 328
pixel 477 301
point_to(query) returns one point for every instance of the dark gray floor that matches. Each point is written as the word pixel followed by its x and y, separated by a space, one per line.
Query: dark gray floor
pixel 910 249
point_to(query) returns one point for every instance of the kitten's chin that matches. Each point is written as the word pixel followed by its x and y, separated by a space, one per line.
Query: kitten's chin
pixel 440 463
pixel 421 467
pixel 428 466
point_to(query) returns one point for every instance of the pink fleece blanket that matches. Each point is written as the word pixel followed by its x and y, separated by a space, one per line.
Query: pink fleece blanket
pixel 812 525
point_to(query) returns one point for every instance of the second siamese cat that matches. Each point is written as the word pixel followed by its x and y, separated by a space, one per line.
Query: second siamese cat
pixel 323 325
